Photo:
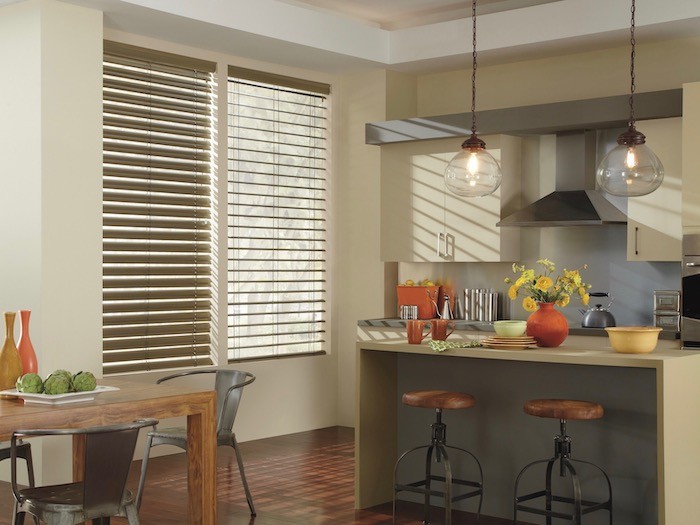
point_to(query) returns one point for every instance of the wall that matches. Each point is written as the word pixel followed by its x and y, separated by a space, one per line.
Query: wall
pixel 659 65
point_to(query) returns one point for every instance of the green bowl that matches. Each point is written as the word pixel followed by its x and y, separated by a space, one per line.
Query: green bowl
pixel 510 328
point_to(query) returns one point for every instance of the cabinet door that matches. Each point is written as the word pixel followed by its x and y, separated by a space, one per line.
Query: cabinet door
pixel 423 222
pixel 654 221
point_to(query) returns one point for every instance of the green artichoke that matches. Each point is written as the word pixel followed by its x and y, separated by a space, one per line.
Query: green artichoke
pixel 84 382
pixel 30 384
pixel 67 375
pixel 57 384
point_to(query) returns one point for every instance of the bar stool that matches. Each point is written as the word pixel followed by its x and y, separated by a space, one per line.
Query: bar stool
pixel 563 410
pixel 439 400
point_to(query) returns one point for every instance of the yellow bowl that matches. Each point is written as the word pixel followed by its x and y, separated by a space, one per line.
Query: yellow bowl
pixel 510 327
pixel 633 339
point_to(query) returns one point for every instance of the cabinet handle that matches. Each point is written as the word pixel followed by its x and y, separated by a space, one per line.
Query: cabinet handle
pixel 439 237
pixel 636 237
pixel 692 265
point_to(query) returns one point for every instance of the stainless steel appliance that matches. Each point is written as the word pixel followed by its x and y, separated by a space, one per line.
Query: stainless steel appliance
pixel 667 307
pixel 690 292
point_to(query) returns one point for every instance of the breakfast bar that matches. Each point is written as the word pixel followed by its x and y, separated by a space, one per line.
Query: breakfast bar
pixel 648 439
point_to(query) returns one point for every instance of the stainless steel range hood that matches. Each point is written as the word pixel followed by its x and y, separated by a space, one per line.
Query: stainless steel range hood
pixel 575 202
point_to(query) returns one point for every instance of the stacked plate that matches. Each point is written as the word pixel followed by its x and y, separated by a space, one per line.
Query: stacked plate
pixel 509 343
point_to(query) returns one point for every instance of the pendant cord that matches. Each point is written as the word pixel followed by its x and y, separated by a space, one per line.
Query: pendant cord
pixel 473 67
pixel 632 86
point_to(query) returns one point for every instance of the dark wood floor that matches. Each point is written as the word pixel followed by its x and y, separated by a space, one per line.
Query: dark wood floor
pixel 304 478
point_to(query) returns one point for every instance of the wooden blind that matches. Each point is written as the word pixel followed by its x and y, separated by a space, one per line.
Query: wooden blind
pixel 276 216
pixel 156 210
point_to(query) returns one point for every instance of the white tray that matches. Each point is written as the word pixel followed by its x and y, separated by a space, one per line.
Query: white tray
pixel 58 399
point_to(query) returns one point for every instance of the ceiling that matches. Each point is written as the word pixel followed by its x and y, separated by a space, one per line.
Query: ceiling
pixel 398 14
pixel 419 36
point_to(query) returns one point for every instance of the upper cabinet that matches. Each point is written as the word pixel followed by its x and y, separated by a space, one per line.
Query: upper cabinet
pixel 421 221
pixel 654 221
pixel 691 157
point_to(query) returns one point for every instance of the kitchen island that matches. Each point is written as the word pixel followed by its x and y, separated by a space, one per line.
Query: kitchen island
pixel 648 440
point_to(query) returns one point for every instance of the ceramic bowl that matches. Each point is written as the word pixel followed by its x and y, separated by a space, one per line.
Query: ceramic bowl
pixel 510 328
pixel 633 339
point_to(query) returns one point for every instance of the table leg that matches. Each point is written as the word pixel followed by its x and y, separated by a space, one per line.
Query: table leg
pixel 201 465
pixel 78 456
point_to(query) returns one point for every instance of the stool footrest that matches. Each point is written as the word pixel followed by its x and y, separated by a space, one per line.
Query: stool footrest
pixel 416 487
pixel 587 505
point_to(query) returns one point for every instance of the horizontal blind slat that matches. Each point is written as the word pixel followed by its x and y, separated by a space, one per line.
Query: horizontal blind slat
pixel 187 316
pixel 155 342
pixel 138 354
pixel 111 308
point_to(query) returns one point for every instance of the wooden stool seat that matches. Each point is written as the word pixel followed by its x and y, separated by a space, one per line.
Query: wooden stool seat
pixel 441 399
pixel 563 409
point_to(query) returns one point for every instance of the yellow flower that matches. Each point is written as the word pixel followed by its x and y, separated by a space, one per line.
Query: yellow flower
pixel 585 298
pixel 581 291
pixel 521 281
pixel 543 283
pixel 563 300
pixel 529 304
pixel 528 275
pixel 513 291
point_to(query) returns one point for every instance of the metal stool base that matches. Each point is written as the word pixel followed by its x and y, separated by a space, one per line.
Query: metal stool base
pixel 562 453
pixel 424 486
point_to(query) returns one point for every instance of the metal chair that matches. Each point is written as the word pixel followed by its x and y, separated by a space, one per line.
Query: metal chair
pixel 24 451
pixel 229 388
pixel 108 453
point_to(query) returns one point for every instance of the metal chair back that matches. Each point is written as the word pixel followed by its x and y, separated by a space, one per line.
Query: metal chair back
pixel 228 396
pixel 108 456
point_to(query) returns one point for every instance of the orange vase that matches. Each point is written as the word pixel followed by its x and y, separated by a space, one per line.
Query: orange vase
pixel 24 346
pixel 547 325
pixel 10 364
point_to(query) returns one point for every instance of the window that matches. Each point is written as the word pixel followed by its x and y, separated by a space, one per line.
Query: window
pixel 157 253
pixel 276 215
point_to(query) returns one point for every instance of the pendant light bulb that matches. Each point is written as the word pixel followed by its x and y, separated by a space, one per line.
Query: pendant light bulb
pixel 631 159
pixel 473 172
pixel 631 169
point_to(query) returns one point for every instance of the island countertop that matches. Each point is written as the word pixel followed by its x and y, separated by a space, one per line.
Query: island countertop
pixel 576 350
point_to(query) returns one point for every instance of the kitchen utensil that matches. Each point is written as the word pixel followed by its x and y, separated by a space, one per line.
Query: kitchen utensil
pixel 414 330
pixel 633 339
pixel 446 312
pixel 408 311
pixel 440 329
pixel 510 327
pixel 598 317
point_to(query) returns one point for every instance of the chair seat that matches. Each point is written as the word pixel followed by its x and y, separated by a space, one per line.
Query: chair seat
pixel 563 409
pixel 441 399
pixel 61 498
pixel 178 436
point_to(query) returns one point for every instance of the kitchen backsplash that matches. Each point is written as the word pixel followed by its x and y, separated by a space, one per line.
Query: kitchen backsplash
pixel 603 249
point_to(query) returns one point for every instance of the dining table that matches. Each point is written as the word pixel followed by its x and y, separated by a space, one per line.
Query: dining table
pixel 134 400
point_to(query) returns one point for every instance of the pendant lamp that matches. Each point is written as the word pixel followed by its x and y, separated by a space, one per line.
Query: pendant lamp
pixel 473 172
pixel 630 169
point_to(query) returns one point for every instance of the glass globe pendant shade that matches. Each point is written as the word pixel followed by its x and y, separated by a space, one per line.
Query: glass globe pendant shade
pixel 473 172
pixel 631 169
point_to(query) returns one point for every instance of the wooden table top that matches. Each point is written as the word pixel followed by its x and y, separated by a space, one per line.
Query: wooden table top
pixel 133 400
